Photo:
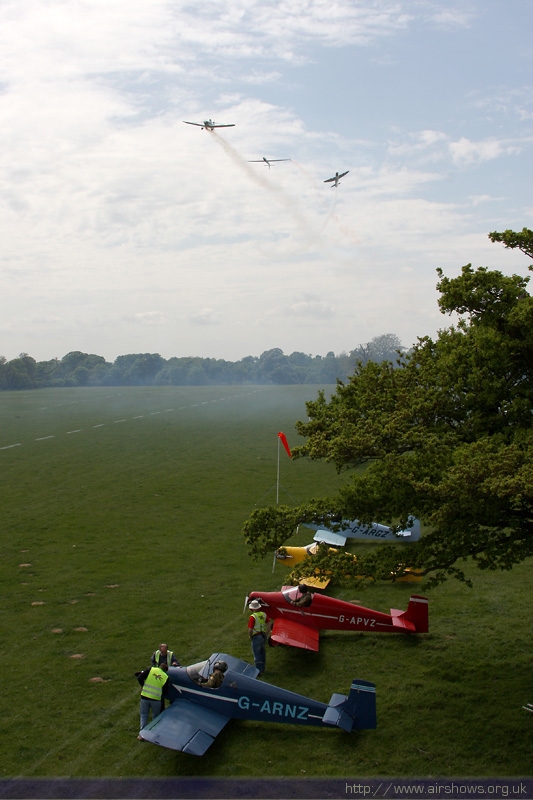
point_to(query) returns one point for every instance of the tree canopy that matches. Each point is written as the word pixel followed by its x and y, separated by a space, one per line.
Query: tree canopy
pixel 444 435
pixel 523 240
pixel 151 369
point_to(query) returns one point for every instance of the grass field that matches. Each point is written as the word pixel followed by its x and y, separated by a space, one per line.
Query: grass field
pixel 121 521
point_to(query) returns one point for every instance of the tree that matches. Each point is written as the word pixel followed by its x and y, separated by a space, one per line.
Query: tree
pixel 446 436
pixel 20 373
pixel 386 347
pixel 522 240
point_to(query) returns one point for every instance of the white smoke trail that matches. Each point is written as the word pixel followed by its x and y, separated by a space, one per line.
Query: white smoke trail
pixel 305 224
pixel 329 209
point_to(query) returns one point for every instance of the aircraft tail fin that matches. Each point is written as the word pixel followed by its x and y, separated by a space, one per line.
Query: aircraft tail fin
pixel 415 529
pixel 416 618
pixel 355 712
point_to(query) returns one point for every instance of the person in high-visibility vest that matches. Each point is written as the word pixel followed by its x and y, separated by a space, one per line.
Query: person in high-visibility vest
pixel 164 655
pixel 259 627
pixel 154 682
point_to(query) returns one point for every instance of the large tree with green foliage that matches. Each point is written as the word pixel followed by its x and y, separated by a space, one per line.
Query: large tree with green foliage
pixel 445 435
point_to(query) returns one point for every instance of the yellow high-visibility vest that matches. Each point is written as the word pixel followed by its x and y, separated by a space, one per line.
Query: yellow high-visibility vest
pixel 259 622
pixel 169 658
pixel 153 685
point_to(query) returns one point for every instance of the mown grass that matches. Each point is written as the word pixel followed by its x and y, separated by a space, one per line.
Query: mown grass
pixel 125 527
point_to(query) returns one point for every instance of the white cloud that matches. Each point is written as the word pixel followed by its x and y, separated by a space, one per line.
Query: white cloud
pixel 312 307
pixel 146 318
pixel 205 316
pixel 465 151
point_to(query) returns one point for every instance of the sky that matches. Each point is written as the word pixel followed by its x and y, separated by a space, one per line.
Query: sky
pixel 124 230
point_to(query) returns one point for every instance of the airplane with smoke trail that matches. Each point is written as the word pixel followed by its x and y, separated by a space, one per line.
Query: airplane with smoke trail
pixel 209 124
pixel 268 161
pixel 336 178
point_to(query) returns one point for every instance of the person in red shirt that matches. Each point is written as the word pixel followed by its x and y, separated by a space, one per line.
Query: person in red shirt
pixel 259 627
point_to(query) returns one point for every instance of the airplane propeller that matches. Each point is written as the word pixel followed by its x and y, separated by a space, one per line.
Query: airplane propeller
pixel 245 603
pixel 274 562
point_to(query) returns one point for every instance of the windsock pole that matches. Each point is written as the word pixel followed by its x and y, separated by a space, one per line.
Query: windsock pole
pixel 283 439
pixel 277 481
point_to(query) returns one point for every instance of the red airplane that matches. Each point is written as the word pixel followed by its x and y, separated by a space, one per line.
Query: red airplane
pixel 300 614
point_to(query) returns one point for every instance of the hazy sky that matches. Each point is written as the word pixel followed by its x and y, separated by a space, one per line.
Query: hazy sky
pixel 126 231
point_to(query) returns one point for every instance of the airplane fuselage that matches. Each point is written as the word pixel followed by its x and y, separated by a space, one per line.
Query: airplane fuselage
pixel 290 556
pixel 328 613
pixel 243 697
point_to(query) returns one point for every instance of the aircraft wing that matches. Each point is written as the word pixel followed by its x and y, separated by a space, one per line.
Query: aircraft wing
pixel 315 581
pixel 287 631
pixel 330 537
pixel 199 124
pixel 185 726
pixel 331 179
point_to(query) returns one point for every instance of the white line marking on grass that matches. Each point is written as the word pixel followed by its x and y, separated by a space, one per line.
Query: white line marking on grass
pixel 100 741
pixel 139 416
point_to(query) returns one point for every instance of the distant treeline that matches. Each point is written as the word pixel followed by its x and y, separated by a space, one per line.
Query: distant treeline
pixel 151 369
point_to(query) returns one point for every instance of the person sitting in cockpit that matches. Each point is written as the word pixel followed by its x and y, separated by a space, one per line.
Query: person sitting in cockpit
pixel 216 677
pixel 304 597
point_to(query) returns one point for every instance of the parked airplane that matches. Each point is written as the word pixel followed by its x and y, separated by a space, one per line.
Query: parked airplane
pixel 197 714
pixel 299 625
pixel 375 532
pixel 268 161
pixel 336 178
pixel 290 556
pixel 209 125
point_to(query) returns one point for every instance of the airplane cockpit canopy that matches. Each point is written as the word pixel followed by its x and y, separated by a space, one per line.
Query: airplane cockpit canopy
pixel 201 669
pixel 293 594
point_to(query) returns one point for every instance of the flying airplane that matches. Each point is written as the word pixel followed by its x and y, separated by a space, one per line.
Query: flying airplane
pixel 197 714
pixel 353 529
pixel 268 161
pixel 209 125
pixel 290 556
pixel 336 178
pixel 300 626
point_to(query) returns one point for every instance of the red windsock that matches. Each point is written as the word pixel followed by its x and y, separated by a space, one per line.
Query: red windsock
pixel 285 443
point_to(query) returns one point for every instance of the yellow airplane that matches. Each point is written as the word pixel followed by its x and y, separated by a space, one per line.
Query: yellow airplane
pixel 290 556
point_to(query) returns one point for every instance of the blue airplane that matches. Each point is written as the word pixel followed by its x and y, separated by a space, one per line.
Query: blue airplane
pixel 197 714
pixel 353 529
